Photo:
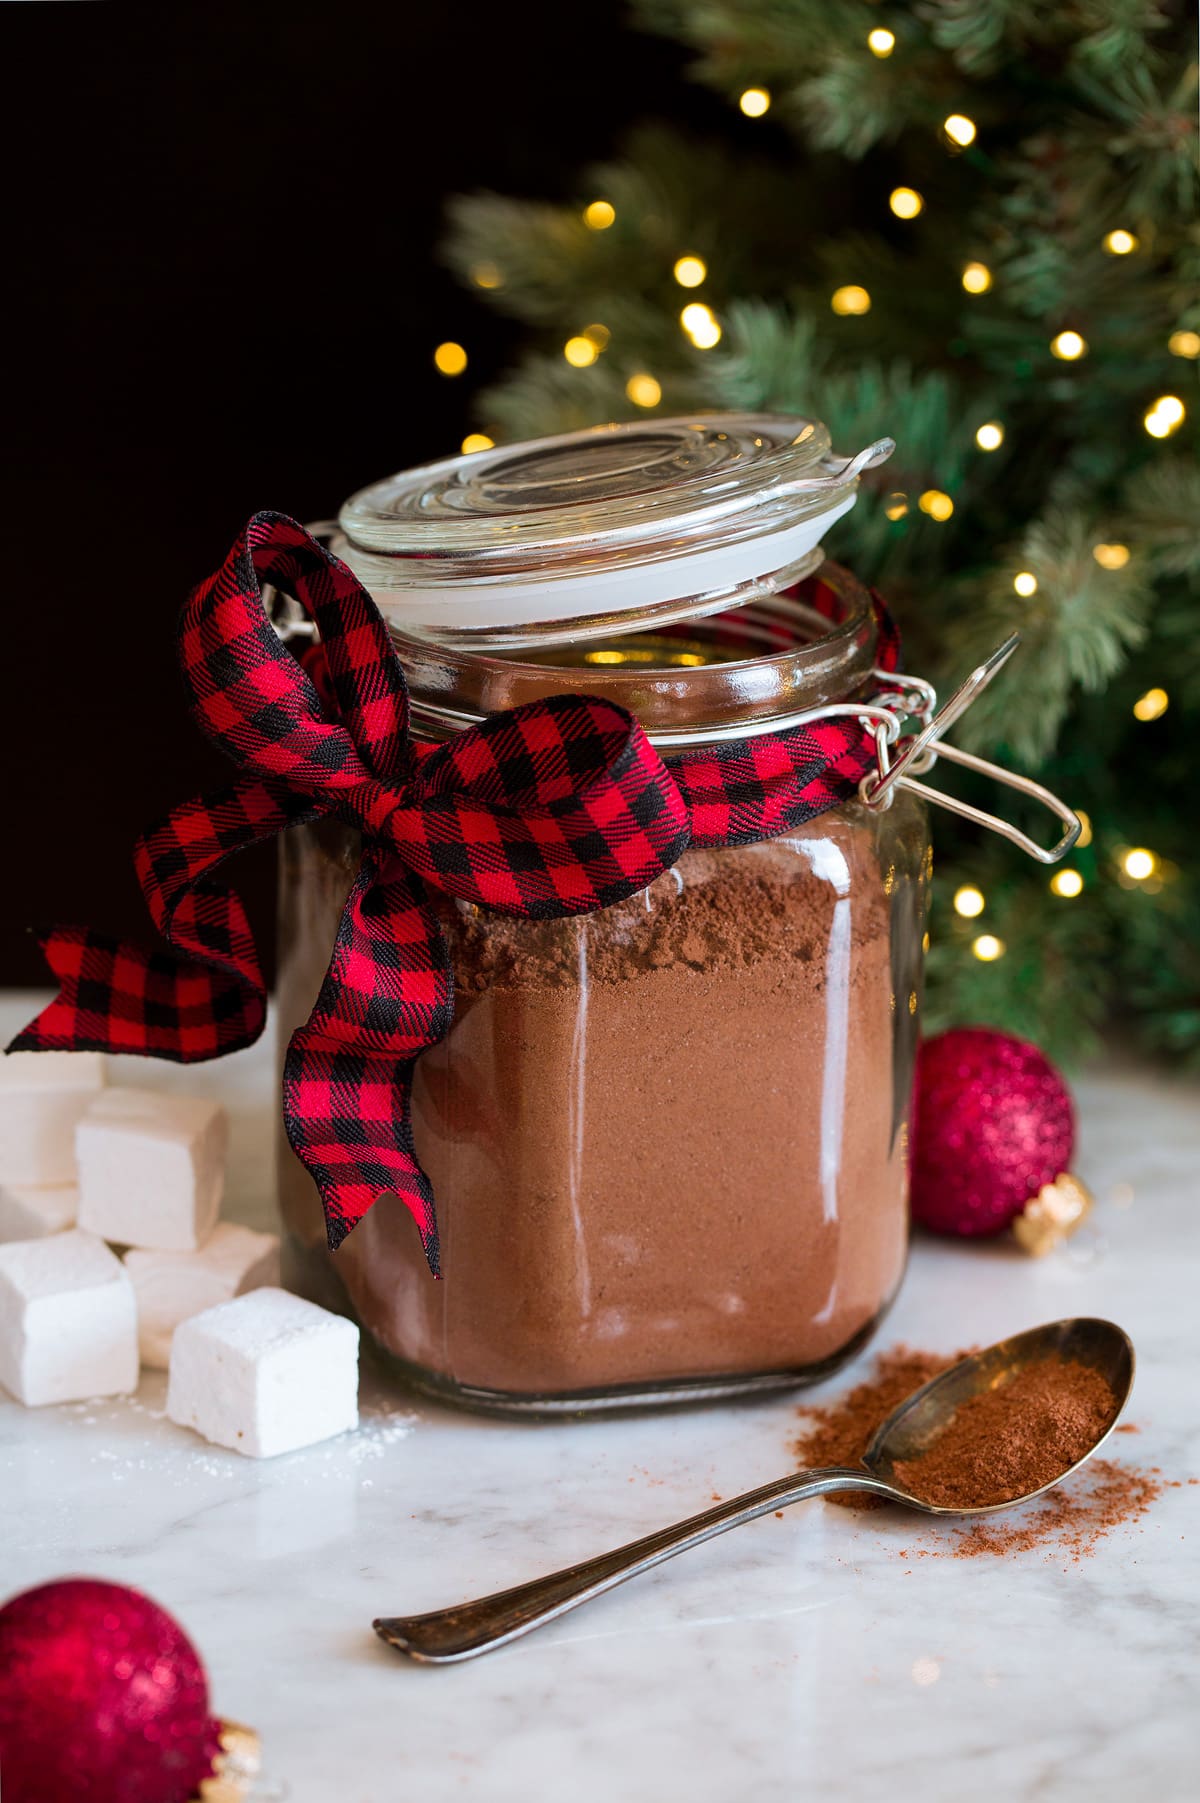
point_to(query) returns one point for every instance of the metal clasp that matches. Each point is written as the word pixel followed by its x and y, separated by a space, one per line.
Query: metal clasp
pixel 922 751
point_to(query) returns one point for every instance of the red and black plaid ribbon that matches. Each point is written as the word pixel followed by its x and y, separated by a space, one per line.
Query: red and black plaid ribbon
pixel 556 808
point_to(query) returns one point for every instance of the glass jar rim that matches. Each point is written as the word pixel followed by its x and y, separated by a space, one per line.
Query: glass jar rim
pixel 733 675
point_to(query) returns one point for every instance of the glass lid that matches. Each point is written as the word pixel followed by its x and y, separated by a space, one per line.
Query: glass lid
pixel 599 531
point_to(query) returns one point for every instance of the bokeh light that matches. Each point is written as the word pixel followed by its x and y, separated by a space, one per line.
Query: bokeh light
pixel 643 390
pixel 937 505
pixel 689 272
pixel 450 358
pixel 850 300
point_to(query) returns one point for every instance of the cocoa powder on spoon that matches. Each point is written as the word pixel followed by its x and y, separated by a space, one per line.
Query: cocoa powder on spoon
pixel 1011 1441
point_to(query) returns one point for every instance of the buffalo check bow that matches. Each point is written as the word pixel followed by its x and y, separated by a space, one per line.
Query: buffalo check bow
pixel 556 808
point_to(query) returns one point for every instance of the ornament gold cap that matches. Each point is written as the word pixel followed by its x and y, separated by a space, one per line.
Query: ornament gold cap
pixel 235 1767
pixel 1052 1215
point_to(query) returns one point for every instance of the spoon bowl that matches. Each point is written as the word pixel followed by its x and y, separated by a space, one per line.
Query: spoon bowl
pixel 446 1636
pixel 912 1428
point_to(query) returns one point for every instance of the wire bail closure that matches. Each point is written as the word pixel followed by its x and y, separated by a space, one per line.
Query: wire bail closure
pixel 922 752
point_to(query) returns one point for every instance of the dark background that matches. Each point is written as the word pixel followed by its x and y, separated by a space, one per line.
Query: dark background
pixel 221 229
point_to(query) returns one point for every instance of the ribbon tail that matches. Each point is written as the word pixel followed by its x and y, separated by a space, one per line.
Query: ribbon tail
pixel 360 1145
pixel 388 993
pixel 115 997
pixel 203 994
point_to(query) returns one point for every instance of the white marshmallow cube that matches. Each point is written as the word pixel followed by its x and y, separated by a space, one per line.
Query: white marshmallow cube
pixel 264 1374
pixel 68 1320
pixel 151 1168
pixel 27 1213
pixel 42 1096
pixel 171 1286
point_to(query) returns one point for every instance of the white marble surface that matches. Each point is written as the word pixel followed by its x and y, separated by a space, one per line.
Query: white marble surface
pixel 794 1658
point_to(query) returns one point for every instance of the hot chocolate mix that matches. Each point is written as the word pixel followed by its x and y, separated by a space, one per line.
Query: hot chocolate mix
pixel 1015 1439
pixel 666 1140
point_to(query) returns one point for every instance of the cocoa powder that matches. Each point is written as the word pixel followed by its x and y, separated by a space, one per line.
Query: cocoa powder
pixel 1011 1441
pixel 1103 1496
pixel 838 1433
pixel 1045 1433
pixel 667 1140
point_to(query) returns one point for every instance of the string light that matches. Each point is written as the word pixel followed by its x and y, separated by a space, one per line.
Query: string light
pixel 1067 883
pixel 1119 243
pixel 450 358
pixel 969 902
pixel 1025 582
pixel 905 203
pixel 487 275
pixel 1139 863
pixel 635 654
pixel 643 390
pixel 976 278
pixel 579 352
pixel 1166 416
pixel 701 325
pixel 852 299
pixel 597 335
pixel 477 441
pixel 1085 828
pixel 1184 344
pixel 990 436
pixel 1152 705
pixel 959 129
pixel 754 102
pixel 690 271
pixel 1069 346
pixel 896 506
pixel 988 948
pixel 1111 557
pixel 881 41
pixel 598 215
pixel 937 505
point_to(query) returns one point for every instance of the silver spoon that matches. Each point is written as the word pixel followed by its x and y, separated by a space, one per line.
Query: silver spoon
pixel 467 1629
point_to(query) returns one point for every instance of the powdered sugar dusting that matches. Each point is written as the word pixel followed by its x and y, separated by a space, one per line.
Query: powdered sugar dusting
pixel 128 1441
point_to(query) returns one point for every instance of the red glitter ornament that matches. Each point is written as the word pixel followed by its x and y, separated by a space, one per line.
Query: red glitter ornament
pixel 994 1123
pixel 102 1696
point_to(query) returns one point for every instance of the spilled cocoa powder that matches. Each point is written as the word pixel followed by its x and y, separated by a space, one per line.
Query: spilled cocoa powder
pixel 1105 1494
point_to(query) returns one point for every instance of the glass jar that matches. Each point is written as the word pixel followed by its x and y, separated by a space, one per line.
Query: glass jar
pixel 668 1141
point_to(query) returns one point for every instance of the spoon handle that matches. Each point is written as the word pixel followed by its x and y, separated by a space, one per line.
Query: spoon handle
pixel 461 1632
